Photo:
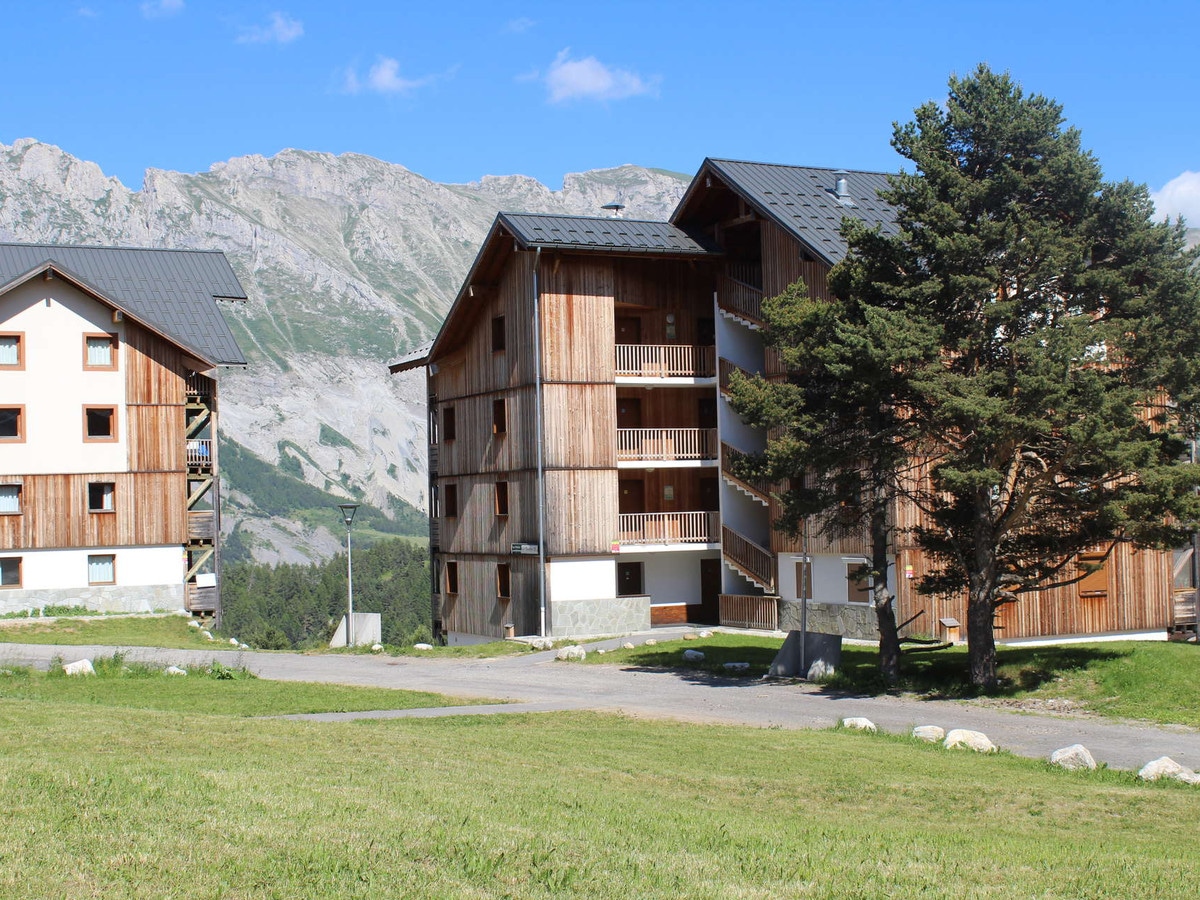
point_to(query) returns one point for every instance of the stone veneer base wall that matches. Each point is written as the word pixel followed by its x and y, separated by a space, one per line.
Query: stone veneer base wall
pixel 110 598
pixel 588 618
pixel 848 620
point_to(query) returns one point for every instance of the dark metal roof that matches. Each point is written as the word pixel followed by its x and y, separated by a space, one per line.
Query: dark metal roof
pixel 608 234
pixel 803 201
pixel 412 360
pixel 172 290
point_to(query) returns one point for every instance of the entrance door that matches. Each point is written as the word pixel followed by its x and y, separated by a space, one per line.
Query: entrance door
pixel 709 610
pixel 706 412
pixel 630 582
pixel 710 499
pixel 706 331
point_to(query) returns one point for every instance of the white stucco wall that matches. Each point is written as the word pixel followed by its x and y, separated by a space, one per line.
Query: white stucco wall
pixel 54 386
pixel 581 579
pixel 135 567
pixel 828 575
pixel 671 577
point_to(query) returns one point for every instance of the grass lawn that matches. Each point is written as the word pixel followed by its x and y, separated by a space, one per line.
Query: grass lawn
pixel 109 631
pixel 1154 681
pixel 112 801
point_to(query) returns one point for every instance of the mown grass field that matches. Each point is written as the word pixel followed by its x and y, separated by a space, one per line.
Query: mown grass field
pixel 109 631
pixel 105 797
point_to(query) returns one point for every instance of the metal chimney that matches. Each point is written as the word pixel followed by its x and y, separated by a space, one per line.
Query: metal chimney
pixel 615 208
pixel 841 184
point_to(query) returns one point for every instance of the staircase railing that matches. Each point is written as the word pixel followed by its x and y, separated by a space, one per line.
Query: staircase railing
pixel 754 560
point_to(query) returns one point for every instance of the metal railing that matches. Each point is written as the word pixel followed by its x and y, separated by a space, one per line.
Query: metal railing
pixel 749 611
pixel 666 443
pixel 754 560
pixel 668 528
pixel 665 360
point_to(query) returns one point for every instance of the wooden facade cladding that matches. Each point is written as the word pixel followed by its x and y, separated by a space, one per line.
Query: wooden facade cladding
pixel 478 528
pixel 580 422
pixel 155 437
pixel 785 262
pixel 476 447
pixel 581 511
pixel 476 608
pixel 578 320
pixel 150 510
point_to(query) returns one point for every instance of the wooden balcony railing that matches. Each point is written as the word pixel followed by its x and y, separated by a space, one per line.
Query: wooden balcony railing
pixel 201 599
pixel 1185 608
pixel 197 385
pixel 199 452
pixel 749 611
pixel 725 370
pixel 665 361
pixel 753 560
pixel 668 528
pixel 749 273
pixel 773 363
pixel 666 443
pixel 731 457
pixel 202 525
pixel 434 456
pixel 741 299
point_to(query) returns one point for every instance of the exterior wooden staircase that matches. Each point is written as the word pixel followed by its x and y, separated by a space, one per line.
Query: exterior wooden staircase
pixel 752 561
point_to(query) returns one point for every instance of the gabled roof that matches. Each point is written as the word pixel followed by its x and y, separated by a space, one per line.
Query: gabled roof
pixel 800 199
pixel 412 360
pixel 604 233
pixel 173 291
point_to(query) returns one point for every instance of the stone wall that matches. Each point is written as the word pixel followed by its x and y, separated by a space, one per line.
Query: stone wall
pixel 588 618
pixel 849 620
pixel 101 599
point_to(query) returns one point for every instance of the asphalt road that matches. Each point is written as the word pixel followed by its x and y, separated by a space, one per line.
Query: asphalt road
pixel 537 683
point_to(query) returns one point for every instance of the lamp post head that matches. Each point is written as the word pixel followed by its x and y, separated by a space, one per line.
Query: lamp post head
pixel 348 511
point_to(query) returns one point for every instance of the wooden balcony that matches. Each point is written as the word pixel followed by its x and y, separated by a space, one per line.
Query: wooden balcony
pixel 665 361
pixel 199 453
pixel 201 599
pixel 725 370
pixel 742 300
pixel 752 560
pixel 668 528
pixel 197 385
pixel 666 444
pixel 749 611
pixel 202 525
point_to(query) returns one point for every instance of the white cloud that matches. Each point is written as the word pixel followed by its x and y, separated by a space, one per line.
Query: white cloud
pixel 519 26
pixel 157 9
pixel 590 79
pixel 280 29
pixel 382 78
pixel 1179 197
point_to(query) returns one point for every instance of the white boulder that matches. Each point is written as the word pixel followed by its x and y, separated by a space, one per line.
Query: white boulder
pixel 934 734
pixel 206 634
pixel 174 670
pixel 737 666
pixel 1074 757
pixel 573 653
pixel 650 642
pixel 705 634
pixel 627 646
pixel 693 656
pixel 1165 767
pixel 233 641
pixel 859 723
pixel 422 646
pixel 690 636
pixel 193 624
pixel 542 643
pixel 80 667
pixel 243 646
pixel 969 740
pixel 819 669
pixel 377 648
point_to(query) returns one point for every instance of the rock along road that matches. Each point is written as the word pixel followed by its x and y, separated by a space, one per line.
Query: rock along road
pixel 536 682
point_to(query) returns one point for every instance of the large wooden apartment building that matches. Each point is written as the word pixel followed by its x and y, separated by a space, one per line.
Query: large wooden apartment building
pixel 109 488
pixel 581 439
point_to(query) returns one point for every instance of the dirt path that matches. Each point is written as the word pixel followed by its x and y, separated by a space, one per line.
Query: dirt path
pixel 537 683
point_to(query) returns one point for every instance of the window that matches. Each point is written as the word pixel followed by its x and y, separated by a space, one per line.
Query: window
pixel 858 584
pixel 12 350
pixel 99 351
pixel 12 423
pixel 503 581
pixel 1094 584
pixel 502 498
pixel 100 423
pixel 451 578
pixel 498 336
pixel 102 497
pixel 499 417
pixel 10 571
pixel 804 579
pixel 102 568
pixel 630 579
pixel 10 499
pixel 448 423
pixel 450 501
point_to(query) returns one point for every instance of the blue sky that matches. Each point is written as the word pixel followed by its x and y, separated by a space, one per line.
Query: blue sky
pixel 455 91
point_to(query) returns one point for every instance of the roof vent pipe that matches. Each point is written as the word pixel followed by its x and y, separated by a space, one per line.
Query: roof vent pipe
pixel 615 208
pixel 841 184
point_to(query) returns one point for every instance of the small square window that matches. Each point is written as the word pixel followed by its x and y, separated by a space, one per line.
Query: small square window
pixel 498 335
pixel 10 499
pixel 12 423
pixel 102 568
pixel 450 501
pixel 448 430
pixel 99 351
pixel 503 581
pixel 12 350
pixel 451 578
pixel 502 498
pixel 499 417
pixel 102 497
pixel 100 423
pixel 10 571
pixel 858 583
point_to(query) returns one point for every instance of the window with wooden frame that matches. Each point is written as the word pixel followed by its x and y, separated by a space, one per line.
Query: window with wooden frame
pixel 502 498
pixel 102 497
pixel 10 499
pixel 10 571
pixel 12 423
pixel 448 429
pixel 804 579
pixel 503 581
pixel 102 568
pixel 450 501
pixel 100 351
pixel 498 336
pixel 99 423
pixel 12 350
pixel 858 584
pixel 451 578
pixel 1094 584
pixel 499 416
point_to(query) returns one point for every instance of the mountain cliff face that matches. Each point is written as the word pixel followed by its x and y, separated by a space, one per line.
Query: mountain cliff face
pixel 349 261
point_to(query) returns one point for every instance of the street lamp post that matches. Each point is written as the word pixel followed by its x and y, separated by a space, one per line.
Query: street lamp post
pixel 348 511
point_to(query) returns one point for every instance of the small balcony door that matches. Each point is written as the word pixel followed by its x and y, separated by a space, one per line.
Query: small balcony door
pixel 629 330
pixel 631 495
pixel 629 412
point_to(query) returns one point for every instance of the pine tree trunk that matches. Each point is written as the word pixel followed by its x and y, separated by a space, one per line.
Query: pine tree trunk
pixel 981 637
pixel 889 641
pixel 883 601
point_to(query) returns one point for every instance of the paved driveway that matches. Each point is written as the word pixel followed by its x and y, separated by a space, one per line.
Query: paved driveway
pixel 537 683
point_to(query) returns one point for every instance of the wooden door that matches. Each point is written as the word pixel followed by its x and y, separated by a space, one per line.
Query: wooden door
pixel 709 610
pixel 629 330
pixel 710 498
pixel 629 579
pixel 631 495
pixel 706 412
pixel 706 331
pixel 629 412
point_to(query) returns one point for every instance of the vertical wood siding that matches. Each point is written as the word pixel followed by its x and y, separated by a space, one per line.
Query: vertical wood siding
pixel 578 320
pixel 476 609
pixel 783 264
